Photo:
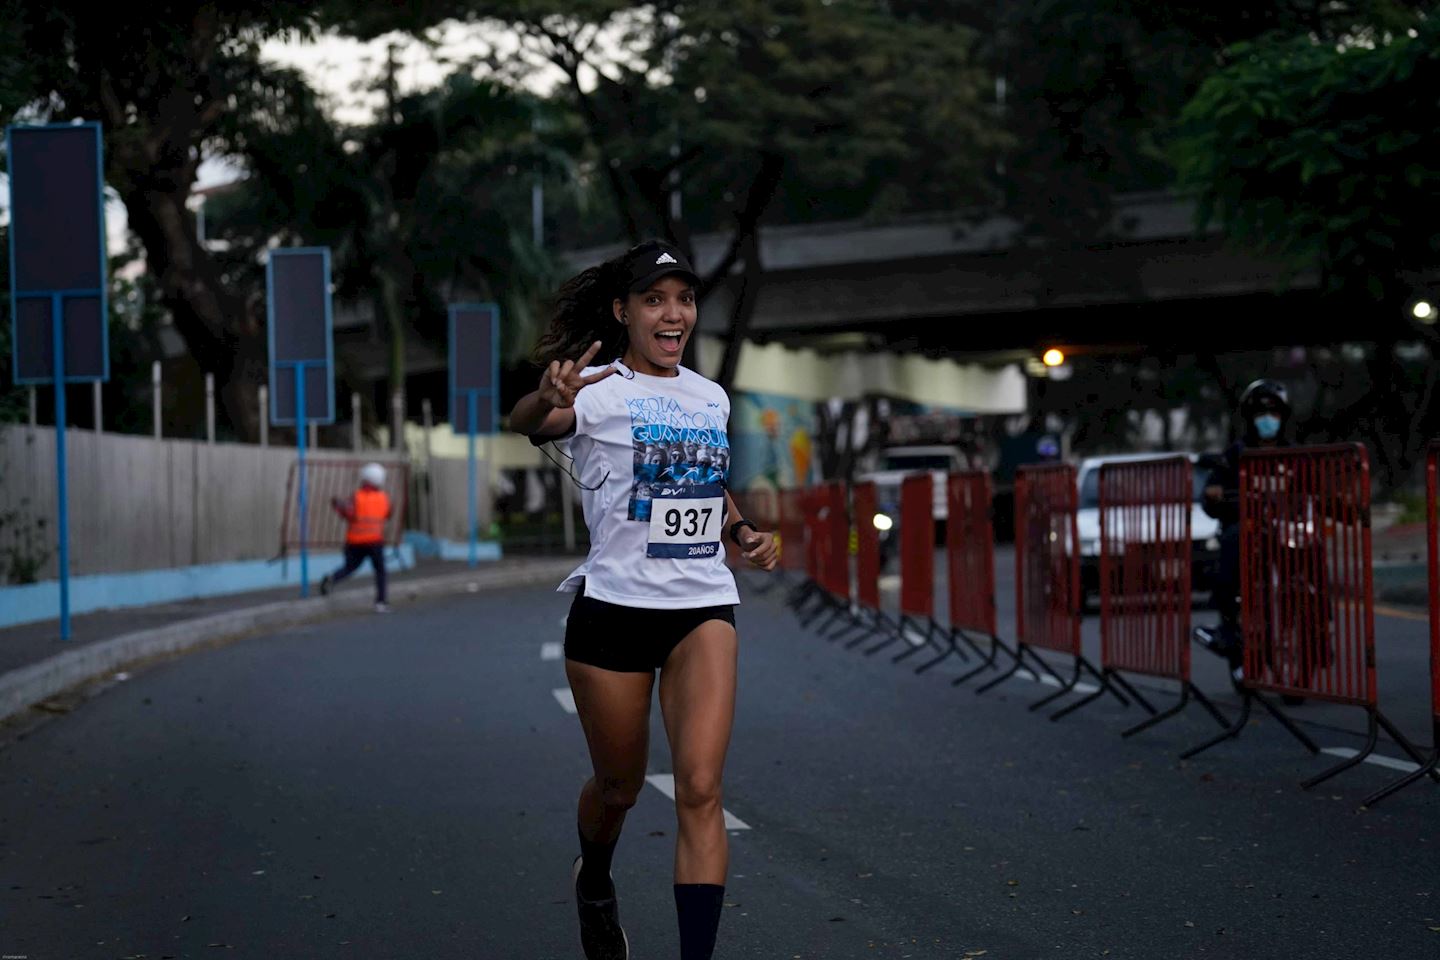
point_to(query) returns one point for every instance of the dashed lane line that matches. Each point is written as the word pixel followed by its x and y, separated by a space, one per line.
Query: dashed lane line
pixel 565 698
pixel 665 783
pixel 1404 766
pixel 552 650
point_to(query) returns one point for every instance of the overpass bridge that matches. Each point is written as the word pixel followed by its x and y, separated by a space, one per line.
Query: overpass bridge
pixel 966 288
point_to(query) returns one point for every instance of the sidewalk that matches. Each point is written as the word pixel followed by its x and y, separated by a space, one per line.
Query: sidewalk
pixel 35 663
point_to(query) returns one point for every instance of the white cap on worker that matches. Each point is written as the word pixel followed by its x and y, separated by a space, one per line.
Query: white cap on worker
pixel 373 474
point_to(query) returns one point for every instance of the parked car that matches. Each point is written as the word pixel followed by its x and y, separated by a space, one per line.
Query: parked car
pixel 892 466
pixel 1204 531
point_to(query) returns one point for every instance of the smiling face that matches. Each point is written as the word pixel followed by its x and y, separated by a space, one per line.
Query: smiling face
pixel 660 319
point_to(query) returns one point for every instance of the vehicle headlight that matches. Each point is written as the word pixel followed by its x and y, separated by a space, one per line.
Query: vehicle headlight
pixel 882 522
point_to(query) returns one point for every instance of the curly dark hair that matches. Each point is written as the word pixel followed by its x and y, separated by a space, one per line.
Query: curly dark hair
pixel 582 312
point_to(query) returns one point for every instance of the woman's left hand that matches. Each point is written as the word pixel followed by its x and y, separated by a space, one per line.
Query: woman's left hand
pixel 760 549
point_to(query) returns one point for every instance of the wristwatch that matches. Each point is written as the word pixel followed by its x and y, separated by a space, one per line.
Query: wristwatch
pixel 734 537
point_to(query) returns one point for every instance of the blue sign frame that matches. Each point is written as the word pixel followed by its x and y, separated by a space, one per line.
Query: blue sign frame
pixel 462 396
pixel 472 405
pixel 299 365
pixel 57 297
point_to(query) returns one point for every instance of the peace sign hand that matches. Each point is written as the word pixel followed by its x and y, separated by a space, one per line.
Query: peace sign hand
pixel 562 381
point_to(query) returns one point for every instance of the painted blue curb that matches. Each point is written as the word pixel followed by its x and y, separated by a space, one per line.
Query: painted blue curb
pixel 428 546
pixel 33 602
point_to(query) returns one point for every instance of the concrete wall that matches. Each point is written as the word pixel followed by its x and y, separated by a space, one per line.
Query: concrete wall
pixel 142 504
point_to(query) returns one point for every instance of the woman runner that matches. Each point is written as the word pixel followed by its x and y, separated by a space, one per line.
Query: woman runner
pixel 654 593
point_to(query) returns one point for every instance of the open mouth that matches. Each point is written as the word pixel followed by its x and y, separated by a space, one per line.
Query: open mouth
pixel 669 341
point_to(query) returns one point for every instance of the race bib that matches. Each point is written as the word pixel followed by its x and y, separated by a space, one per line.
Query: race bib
pixel 685 520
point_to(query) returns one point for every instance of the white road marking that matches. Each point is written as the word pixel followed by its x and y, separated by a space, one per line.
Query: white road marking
pixel 915 639
pixel 552 650
pixel 665 783
pixel 1405 766
pixel 565 698
pixel 1050 681
pixel 564 621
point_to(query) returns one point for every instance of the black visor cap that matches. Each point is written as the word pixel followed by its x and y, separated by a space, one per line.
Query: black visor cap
pixel 653 259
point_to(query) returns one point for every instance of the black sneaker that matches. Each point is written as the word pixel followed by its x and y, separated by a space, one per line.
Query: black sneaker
pixel 1216 639
pixel 325 584
pixel 601 936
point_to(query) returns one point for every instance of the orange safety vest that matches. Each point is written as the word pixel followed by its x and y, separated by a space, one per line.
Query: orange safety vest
pixel 371 509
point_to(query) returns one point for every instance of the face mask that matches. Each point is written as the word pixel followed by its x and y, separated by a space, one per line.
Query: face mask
pixel 1267 426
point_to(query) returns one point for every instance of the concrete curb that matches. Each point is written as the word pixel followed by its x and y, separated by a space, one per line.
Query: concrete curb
pixel 26 686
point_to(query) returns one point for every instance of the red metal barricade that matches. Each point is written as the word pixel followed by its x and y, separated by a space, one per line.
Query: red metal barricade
pixel 1429 766
pixel 917 547
pixel 1145 554
pixel 970 552
pixel 327 479
pixel 1432 507
pixel 1145 584
pixel 836 540
pixel 791 528
pixel 810 507
pixel 1307 599
pixel 1047 558
pixel 1307 603
pixel 867 546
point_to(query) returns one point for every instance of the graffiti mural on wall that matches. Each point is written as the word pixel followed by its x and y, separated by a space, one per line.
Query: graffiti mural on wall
pixel 772 441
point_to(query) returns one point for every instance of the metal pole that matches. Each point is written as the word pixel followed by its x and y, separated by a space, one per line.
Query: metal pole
pixel 300 444
pixel 472 399
pixel 355 421
pixel 315 435
pixel 34 407
pixel 99 408
pixel 397 421
pixel 264 415
pixel 427 415
pixel 62 507
pixel 155 394
pixel 209 408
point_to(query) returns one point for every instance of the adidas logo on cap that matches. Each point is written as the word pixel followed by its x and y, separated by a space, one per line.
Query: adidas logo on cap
pixel 664 258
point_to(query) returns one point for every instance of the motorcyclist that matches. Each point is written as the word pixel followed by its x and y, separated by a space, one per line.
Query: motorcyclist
pixel 1265 415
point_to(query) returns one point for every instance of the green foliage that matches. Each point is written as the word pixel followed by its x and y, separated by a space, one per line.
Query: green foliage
pixel 23 545
pixel 1323 152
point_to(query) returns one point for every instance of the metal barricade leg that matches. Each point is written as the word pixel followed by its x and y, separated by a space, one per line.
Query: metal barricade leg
pixel 1101 677
pixel 997 646
pixel 1430 766
pixel 1248 698
pixel 1376 720
pixel 1187 690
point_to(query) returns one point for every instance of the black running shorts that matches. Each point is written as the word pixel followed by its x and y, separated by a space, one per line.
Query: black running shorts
pixel 631 639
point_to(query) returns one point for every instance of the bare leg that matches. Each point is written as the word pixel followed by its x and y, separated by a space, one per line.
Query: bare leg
pixel 697 698
pixel 614 711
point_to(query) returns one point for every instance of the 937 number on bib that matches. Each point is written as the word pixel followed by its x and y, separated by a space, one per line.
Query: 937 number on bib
pixel 685 521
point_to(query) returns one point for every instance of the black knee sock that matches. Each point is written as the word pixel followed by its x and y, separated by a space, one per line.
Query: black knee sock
pixel 595 881
pixel 698 906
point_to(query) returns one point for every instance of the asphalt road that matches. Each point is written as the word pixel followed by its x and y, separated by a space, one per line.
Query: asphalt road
pixel 404 786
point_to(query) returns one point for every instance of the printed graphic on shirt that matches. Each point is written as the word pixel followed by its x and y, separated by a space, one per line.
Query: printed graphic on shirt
pixel 674 446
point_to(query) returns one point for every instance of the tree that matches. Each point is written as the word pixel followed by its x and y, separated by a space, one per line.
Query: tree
pixel 163 79
pixel 745 103
pixel 425 204
pixel 1321 150
pixel 1323 153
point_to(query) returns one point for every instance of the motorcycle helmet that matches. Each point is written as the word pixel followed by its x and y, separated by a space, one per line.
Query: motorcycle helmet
pixel 1265 408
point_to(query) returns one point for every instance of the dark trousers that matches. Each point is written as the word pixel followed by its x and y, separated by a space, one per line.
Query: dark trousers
pixel 1226 596
pixel 356 554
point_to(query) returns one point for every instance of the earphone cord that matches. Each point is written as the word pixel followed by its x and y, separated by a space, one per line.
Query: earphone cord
pixel 570 470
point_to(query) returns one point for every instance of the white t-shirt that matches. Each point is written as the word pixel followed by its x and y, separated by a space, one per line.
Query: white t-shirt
pixel 656 452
